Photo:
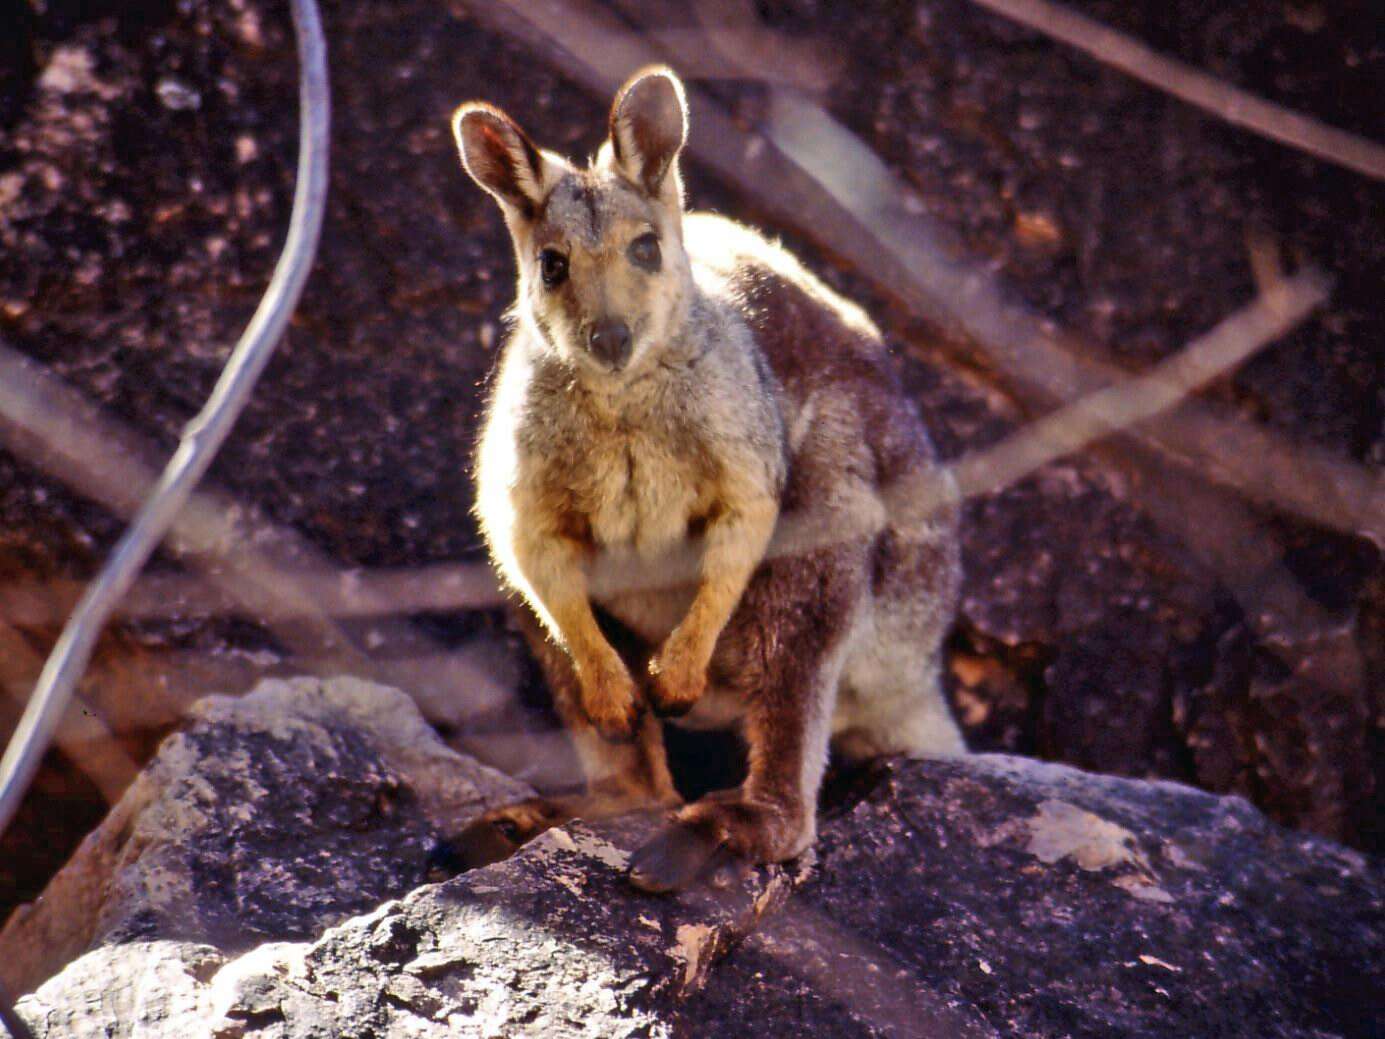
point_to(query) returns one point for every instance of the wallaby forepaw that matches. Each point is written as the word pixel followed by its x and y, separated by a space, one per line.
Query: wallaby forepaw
pixel 615 721
pixel 677 680
pixel 612 704
pixel 678 856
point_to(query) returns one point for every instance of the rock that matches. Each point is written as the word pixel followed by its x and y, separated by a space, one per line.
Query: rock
pixel 990 896
pixel 551 943
pixel 1026 899
pixel 270 817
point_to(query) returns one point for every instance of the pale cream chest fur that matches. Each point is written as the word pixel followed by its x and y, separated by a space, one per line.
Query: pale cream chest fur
pixel 634 472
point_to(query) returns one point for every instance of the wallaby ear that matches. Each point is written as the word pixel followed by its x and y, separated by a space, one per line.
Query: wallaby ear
pixel 649 123
pixel 501 158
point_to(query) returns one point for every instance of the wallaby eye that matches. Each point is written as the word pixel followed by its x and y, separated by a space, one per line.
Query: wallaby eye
pixel 552 267
pixel 644 251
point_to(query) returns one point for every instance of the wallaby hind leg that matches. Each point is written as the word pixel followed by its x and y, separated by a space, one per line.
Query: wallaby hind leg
pixel 784 651
pixel 619 777
pixel 891 700
pixel 897 710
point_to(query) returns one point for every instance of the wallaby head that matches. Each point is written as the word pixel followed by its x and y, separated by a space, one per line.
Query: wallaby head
pixel 604 281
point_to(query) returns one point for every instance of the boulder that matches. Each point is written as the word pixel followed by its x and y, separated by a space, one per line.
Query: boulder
pixel 269 818
pixel 265 876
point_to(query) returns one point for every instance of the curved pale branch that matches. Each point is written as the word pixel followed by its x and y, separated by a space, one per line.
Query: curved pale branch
pixel 203 437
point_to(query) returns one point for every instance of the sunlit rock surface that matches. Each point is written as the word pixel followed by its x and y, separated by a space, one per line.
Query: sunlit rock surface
pixel 270 817
pixel 264 877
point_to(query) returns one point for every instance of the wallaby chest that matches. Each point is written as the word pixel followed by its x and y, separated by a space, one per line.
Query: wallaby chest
pixel 634 472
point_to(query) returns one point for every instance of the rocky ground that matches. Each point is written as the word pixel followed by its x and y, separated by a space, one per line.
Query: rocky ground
pixel 146 157
pixel 265 874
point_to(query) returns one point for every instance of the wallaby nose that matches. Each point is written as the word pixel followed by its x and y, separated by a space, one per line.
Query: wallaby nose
pixel 609 341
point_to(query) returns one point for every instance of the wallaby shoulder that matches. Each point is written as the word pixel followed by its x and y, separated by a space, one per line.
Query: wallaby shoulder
pixel 828 360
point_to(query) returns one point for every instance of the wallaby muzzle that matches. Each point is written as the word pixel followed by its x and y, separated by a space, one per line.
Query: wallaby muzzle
pixel 609 342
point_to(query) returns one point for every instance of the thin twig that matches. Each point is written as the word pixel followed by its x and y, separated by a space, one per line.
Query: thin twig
pixel 1230 103
pixel 204 435
pixel 432 588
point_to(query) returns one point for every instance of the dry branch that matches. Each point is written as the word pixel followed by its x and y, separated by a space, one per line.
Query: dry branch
pixel 1232 104
pixel 1142 397
pixel 434 588
pixel 736 32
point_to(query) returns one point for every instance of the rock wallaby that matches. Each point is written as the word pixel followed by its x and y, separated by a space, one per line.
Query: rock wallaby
pixel 690 475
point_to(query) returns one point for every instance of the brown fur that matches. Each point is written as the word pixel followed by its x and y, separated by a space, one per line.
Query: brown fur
pixel 754 403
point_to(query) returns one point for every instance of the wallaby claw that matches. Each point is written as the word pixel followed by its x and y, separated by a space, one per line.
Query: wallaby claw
pixel 675 683
pixel 677 857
